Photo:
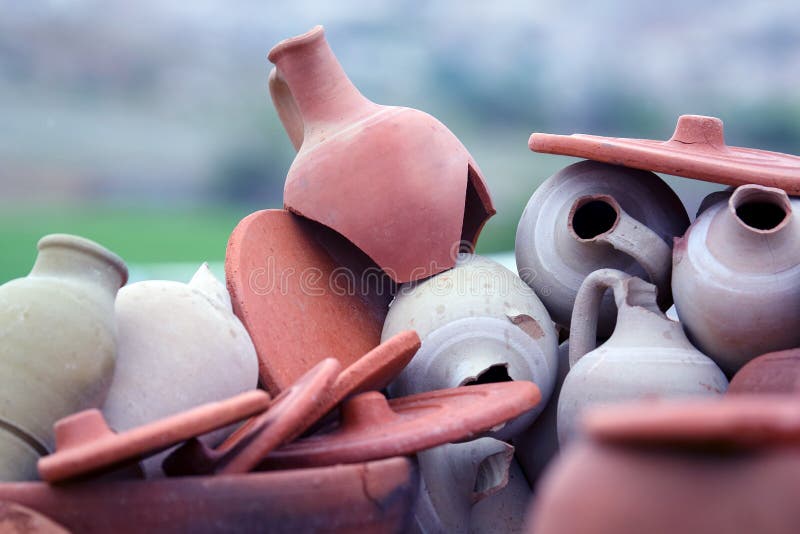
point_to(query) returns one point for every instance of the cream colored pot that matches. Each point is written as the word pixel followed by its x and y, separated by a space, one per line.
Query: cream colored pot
pixel 736 276
pixel 180 345
pixel 647 356
pixel 591 216
pixel 57 346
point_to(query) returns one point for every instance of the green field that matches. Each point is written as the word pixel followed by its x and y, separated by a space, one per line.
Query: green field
pixel 147 236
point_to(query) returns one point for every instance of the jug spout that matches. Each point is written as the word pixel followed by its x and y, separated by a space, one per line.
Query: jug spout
pixel 321 90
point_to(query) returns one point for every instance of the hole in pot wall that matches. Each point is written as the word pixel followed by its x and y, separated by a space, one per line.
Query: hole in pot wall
pixel 493 374
pixel 594 218
pixel 761 215
pixel 492 475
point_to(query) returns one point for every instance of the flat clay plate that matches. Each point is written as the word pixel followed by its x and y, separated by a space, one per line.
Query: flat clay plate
pixel 365 498
pixel 304 293
pixel 291 413
pixel 86 445
pixel 696 150
pixel 739 421
pixel 372 427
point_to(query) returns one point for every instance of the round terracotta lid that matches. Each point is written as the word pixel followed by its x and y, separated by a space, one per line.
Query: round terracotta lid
pixel 86 445
pixel 291 413
pixel 298 287
pixel 776 372
pixel 696 150
pixel 17 519
pixel 372 427
pixel 740 421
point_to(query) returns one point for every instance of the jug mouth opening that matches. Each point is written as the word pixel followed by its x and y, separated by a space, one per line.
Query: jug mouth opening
pixel 592 216
pixel 88 247
pixel 311 35
pixel 761 209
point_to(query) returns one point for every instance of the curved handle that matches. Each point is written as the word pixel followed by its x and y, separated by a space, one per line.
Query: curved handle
pixel 636 240
pixel 628 291
pixel 287 108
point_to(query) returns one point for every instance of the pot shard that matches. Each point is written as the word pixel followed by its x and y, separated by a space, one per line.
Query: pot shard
pixel 57 345
pixel 591 216
pixel 366 497
pixel 736 276
pixel 672 485
pixel 479 323
pixel 394 181
pixel 776 372
pixel 647 356
pixel 179 346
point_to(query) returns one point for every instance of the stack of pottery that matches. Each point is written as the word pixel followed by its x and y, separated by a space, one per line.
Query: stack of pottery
pixel 357 328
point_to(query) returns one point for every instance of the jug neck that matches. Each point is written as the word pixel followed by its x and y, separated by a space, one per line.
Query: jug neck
pixel 318 84
pixel 84 261
pixel 756 231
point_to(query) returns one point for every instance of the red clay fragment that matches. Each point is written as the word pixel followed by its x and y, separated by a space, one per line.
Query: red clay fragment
pixel 304 294
pixel 85 445
pixel 372 428
pixel 696 150
pixel 394 181
pixel 776 372
pixel 370 497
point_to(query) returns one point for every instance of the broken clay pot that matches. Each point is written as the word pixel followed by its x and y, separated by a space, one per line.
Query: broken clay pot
pixel 394 181
pixel 479 323
pixel 368 497
pixel 296 286
pixel 591 216
pixel 372 427
pixel 57 345
pixel 668 477
pixel 647 356
pixel 455 477
pixel 291 413
pixel 696 150
pixel 85 445
pixel 179 346
pixel 776 372
pixel 736 276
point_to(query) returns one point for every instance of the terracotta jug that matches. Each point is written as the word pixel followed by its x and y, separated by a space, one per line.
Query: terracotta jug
pixel 736 276
pixel 478 323
pixel 591 216
pixel 455 477
pixel 647 356
pixel 179 346
pixel 57 345
pixel 394 181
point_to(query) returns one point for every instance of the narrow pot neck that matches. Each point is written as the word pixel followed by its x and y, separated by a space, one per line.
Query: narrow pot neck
pixel 81 260
pixel 752 241
pixel 318 84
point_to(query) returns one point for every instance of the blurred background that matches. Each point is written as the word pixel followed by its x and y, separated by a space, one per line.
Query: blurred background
pixel 148 127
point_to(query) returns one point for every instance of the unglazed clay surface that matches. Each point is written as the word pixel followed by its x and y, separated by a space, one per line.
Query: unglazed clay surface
pixel 179 346
pixel 394 181
pixel 57 345
pixel 736 276
pixel 776 372
pixel 647 356
pixel 591 216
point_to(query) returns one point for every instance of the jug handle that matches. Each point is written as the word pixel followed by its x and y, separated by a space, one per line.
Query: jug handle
pixel 286 106
pixel 629 291
pixel 635 239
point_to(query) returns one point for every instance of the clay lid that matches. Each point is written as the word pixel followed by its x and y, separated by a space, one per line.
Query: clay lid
pixel 696 150
pixel 372 427
pixel 298 287
pixel 741 421
pixel 291 413
pixel 17 519
pixel 86 445
pixel 776 372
